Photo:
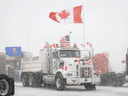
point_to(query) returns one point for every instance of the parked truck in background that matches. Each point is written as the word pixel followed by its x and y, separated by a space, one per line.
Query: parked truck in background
pixel 60 67
pixel 108 77
pixel 6 79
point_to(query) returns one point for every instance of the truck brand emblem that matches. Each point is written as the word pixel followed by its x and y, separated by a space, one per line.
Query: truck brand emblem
pixel 74 81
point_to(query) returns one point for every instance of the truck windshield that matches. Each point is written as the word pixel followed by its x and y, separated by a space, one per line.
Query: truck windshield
pixel 69 53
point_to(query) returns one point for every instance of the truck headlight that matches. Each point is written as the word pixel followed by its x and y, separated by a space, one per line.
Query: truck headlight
pixel 69 74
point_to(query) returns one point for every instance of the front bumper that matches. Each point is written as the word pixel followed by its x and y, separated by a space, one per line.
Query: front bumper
pixel 78 81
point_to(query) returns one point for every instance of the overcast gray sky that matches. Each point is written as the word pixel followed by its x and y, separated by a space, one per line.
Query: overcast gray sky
pixel 105 21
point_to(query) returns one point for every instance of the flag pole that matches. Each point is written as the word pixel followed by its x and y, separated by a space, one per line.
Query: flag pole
pixel 69 35
pixel 83 29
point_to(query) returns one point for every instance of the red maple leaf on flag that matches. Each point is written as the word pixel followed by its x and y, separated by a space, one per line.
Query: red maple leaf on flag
pixel 64 15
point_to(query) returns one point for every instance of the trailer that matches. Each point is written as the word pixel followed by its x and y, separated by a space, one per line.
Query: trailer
pixel 6 79
pixel 59 67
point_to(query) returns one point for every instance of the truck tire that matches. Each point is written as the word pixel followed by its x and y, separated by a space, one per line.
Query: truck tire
pixel 112 79
pixel 31 81
pixel 39 85
pixel 59 82
pixel 24 80
pixel 104 80
pixel 4 85
pixel 45 85
pixel 120 80
pixel 89 86
pixel 12 86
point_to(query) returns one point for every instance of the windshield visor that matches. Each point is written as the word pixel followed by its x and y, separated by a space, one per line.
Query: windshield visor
pixel 69 53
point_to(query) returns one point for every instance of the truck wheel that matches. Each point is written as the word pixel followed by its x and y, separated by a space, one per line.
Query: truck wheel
pixel 89 86
pixel 31 81
pixel 39 85
pixel 119 82
pixel 12 86
pixel 24 81
pixel 60 83
pixel 4 86
pixel 45 84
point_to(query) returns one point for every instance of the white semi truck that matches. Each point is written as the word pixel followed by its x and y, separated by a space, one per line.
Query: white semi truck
pixel 59 67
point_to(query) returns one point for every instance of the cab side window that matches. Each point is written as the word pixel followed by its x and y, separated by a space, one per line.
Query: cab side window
pixel 55 55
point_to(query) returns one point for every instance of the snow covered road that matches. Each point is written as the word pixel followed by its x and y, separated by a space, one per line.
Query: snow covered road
pixel 71 91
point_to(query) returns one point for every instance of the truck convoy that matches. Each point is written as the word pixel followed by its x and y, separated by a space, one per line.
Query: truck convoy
pixel 60 67
pixel 6 79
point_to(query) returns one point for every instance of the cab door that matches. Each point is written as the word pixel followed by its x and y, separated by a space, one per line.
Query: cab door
pixel 55 61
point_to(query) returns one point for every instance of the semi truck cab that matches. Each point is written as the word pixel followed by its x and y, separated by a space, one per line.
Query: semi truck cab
pixel 75 70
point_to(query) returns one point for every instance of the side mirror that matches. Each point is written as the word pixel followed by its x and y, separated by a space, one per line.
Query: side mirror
pixel 61 64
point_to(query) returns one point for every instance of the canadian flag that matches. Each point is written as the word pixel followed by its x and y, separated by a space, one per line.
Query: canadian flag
pixel 89 44
pixel 82 45
pixel 54 45
pixel 50 46
pixel 78 60
pixel 89 62
pixel 64 68
pixel 67 16
pixel 105 54
pixel 45 46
